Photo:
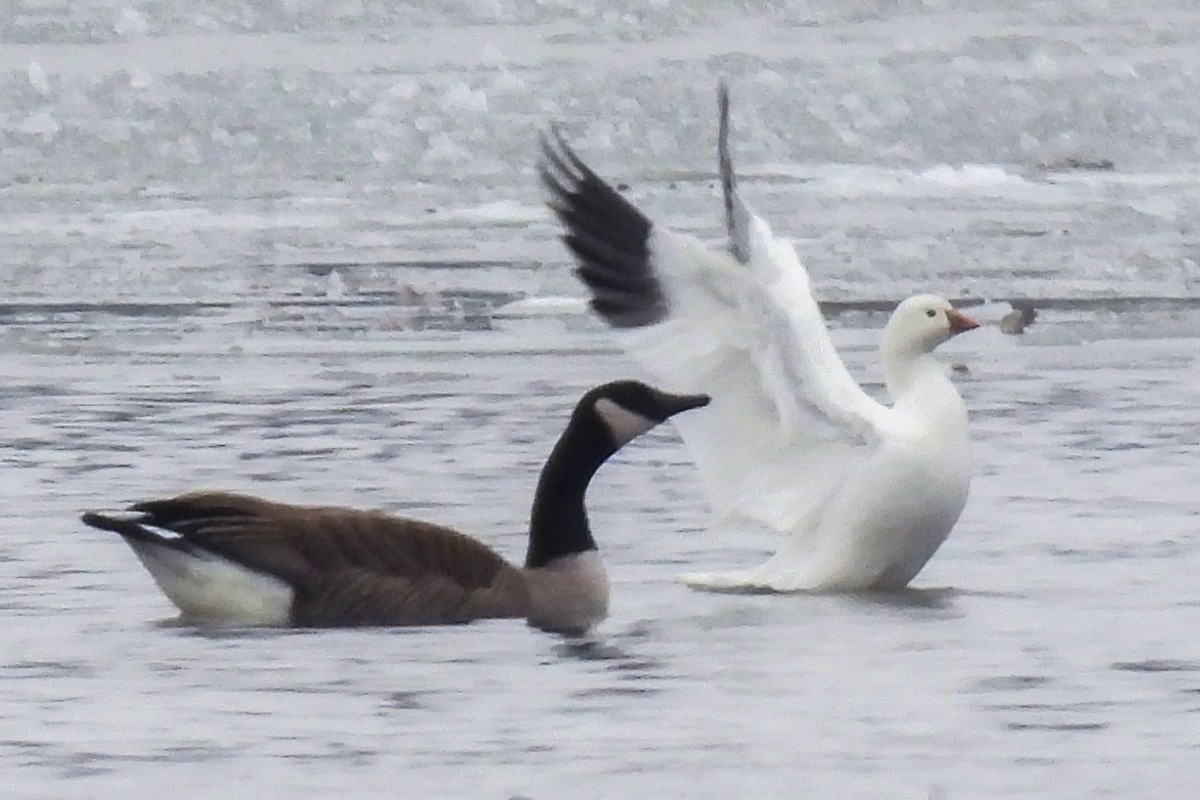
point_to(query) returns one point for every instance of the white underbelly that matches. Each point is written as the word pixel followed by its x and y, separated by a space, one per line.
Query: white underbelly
pixel 207 587
pixel 887 521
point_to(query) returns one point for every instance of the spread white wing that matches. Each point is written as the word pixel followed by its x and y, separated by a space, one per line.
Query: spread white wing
pixel 787 419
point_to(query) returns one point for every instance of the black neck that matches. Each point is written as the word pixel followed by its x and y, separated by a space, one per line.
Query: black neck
pixel 558 525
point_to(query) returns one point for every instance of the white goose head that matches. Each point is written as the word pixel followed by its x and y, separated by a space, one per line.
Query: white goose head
pixel 917 326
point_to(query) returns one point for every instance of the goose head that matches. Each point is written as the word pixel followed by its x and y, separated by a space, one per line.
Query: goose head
pixel 605 419
pixel 925 321
pixel 917 326
pixel 627 409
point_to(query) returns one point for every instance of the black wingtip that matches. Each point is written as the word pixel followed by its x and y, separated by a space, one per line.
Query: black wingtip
pixel 736 217
pixel 728 182
pixel 606 233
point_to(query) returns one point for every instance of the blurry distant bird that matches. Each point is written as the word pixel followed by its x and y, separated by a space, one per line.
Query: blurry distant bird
pixel 1021 317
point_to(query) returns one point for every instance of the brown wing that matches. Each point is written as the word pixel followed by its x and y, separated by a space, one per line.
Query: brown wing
pixel 348 566
pixel 354 596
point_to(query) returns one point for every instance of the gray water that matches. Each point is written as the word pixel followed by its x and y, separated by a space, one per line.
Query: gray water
pixel 249 246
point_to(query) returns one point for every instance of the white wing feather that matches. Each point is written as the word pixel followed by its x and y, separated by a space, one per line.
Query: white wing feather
pixel 786 415
pixel 787 419
pixel 787 437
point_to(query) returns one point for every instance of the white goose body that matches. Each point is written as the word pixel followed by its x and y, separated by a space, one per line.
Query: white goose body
pixel 864 492
pixel 890 512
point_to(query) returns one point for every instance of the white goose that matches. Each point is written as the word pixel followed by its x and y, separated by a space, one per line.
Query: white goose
pixel 865 492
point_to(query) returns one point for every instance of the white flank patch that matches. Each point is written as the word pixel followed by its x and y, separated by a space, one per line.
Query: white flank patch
pixel 213 588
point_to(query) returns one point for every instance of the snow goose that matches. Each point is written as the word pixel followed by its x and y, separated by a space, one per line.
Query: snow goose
pixel 865 492
pixel 236 559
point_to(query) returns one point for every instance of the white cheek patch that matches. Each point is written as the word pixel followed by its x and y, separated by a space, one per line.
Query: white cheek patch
pixel 624 424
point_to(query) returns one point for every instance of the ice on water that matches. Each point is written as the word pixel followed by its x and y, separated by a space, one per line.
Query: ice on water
pixel 301 249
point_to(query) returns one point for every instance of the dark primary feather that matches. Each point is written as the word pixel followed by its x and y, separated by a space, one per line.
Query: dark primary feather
pixel 737 216
pixel 608 236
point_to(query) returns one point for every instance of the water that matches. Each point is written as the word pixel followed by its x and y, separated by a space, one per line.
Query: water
pixel 251 247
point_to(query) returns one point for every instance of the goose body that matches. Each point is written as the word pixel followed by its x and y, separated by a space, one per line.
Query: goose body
pixel 865 492
pixel 237 559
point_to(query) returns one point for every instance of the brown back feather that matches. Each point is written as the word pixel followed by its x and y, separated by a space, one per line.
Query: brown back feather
pixel 328 553
pixel 357 597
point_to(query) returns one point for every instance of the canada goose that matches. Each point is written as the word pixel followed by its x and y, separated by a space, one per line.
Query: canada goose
pixel 237 559
pixel 865 492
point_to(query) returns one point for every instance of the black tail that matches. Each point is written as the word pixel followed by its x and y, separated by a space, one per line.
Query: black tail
pixel 128 528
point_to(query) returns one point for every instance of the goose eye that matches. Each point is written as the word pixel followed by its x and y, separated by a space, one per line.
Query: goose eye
pixel 931 313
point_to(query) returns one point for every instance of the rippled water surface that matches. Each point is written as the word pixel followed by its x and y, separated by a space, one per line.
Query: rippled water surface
pixel 249 247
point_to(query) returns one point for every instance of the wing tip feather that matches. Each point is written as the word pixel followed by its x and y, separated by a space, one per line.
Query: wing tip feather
pixel 737 216
pixel 605 232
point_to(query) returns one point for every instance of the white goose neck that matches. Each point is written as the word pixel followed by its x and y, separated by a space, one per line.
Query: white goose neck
pixel 902 364
pixel 922 391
